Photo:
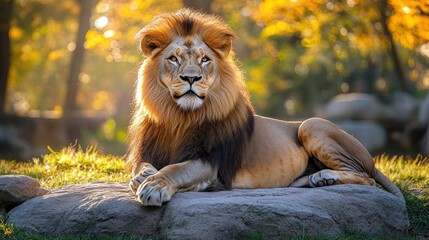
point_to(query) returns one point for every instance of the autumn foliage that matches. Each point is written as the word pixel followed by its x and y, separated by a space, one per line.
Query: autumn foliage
pixel 296 54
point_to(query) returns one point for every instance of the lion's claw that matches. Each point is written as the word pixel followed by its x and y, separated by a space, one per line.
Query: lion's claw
pixel 323 178
pixel 139 179
pixel 153 193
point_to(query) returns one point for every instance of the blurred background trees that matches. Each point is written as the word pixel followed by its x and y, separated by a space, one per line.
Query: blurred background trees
pixel 81 56
pixel 344 46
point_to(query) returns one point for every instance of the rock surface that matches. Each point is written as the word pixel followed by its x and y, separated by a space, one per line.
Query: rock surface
pixel 423 112
pixel 110 208
pixel 423 118
pixel 363 106
pixel 372 136
pixel 15 189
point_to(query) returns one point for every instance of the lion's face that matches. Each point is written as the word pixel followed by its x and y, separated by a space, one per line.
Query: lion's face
pixel 189 75
pixel 187 71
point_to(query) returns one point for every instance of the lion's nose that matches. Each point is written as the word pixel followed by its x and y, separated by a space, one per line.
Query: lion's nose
pixel 191 79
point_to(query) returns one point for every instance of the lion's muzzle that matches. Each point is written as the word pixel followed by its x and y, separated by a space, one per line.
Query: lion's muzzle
pixel 189 93
pixel 191 79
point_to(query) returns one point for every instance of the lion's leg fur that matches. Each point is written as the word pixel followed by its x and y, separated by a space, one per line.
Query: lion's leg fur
pixel 158 188
pixel 345 156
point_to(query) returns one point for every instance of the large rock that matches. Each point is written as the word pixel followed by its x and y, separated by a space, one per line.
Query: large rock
pixel 359 106
pixel 416 133
pixel 15 189
pixel 423 112
pixel 372 136
pixel 91 209
pixel 363 106
pixel 423 119
pixel 110 208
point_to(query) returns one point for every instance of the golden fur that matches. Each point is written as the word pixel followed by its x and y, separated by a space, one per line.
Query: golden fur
pixel 194 128
pixel 158 118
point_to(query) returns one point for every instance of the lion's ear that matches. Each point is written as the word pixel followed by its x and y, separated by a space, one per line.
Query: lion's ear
pixel 152 40
pixel 220 42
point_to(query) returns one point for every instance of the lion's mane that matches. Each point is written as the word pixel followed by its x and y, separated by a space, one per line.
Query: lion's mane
pixel 160 132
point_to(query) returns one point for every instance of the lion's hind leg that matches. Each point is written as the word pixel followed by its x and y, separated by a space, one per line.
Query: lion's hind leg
pixel 346 159
pixel 329 177
pixel 334 148
pixel 343 158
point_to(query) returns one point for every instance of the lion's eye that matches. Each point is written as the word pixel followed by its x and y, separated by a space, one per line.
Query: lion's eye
pixel 173 59
pixel 205 59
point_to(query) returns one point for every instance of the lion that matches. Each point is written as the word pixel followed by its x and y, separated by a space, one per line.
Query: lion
pixel 194 128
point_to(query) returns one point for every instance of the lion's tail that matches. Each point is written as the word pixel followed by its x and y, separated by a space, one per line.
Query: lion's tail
pixel 387 184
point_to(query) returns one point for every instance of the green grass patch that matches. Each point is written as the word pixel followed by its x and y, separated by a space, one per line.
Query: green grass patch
pixel 70 166
pixel 411 175
pixel 78 166
pixel 409 172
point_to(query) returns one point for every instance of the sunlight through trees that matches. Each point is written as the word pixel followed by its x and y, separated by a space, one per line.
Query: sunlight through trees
pixel 296 54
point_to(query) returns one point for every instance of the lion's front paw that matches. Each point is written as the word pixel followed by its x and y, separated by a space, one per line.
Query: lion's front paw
pixel 154 191
pixel 323 178
pixel 136 181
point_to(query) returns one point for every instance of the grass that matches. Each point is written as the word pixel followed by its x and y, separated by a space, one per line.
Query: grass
pixel 70 166
pixel 77 166
pixel 411 175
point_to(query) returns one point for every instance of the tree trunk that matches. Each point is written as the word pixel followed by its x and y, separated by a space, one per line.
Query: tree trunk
pixel 393 51
pixel 5 20
pixel 86 7
pixel 70 107
pixel 204 5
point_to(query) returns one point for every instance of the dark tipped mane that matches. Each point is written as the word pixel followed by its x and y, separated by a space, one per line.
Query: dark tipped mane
pixel 188 25
pixel 207 142
pixel 226 153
